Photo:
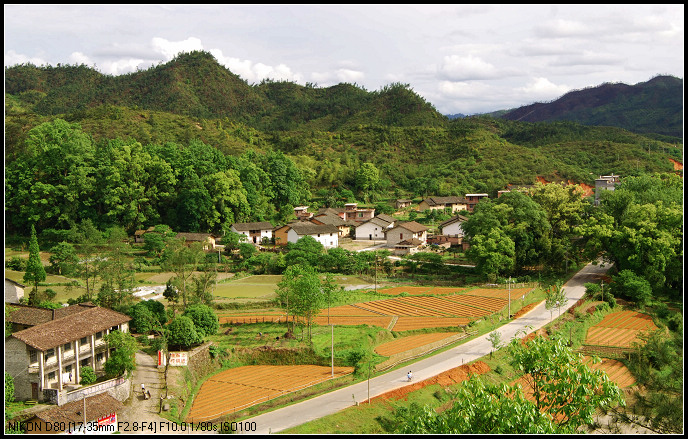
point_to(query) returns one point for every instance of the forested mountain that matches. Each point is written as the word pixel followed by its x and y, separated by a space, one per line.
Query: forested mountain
pixel 190 144
pixel 655 106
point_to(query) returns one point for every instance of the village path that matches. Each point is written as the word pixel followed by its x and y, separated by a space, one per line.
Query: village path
pixel 141 416
pixel 337 400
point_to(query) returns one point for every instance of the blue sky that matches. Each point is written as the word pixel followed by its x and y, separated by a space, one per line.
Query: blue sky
pixel 461 58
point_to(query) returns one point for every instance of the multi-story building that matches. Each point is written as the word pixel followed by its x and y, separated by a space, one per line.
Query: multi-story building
pixel 50 347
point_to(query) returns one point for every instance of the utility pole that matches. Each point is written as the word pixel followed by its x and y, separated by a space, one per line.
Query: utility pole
pixel 509 316
pixel 332 350
pixel 602 290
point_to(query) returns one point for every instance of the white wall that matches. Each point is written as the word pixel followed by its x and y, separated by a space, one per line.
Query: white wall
pixel 328 240
pixel 364 231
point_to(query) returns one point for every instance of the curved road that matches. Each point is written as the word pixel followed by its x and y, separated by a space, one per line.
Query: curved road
pixel 337 400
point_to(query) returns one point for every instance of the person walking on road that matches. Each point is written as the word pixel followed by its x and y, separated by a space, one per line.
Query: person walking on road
pixel 409 375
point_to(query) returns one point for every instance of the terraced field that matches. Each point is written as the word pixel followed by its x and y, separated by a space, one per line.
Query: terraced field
pixel 241 387
pixel 404 344
pixel 619 329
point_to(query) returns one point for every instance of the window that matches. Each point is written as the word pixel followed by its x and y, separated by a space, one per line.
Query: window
pixel 83 341
pixel 99 335
pixel 360 214
pixel 84 362
pixel 67 347
pixel 114 328
pixel 51 376
pixel 99 357
pixel 33 356
pixel 49 353
pixel 68 368
pixel 318 235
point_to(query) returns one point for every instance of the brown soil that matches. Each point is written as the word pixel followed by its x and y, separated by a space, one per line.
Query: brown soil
pixel 452 376
pixel 525 309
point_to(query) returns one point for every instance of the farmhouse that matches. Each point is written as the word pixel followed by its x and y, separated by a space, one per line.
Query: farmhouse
pixel 254 232
pixel 452 227
pixel 402 204
pixel 473 199
pixel 325 234
pixel 407 246
pixel 333 220
pixel 350 212
pixel 605 183
pixel 14 291
pixel 441 203
pixel 374 228
pixel 206 239
pixel 138 235
pixel 406 231
pixel 302 213
pixel 46 358
pixel 99 412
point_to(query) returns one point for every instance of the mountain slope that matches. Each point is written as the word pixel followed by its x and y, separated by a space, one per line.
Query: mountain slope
pixel 655 106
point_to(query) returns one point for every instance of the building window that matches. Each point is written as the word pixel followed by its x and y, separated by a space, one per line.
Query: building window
pixel 99 335
pixel 49 353
pixel 33 356
pixel 360 214
pixel 67 347
pixel 51 376
pixel 84 362
pixel 99 357
pixel 114 328
pixel 83 341
pixel 68 368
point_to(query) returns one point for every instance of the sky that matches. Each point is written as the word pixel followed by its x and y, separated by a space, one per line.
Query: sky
pixel 465 59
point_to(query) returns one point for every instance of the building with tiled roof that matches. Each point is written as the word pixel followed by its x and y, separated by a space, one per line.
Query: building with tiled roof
pixel 50 354
pixel 333 220
pixel 452 226
pixel 405 231
pixel 206 239
pixel 24 316
pixel 374 228
pixel 326 234
pixel 440 203
pixel 99 413
pixel 255 232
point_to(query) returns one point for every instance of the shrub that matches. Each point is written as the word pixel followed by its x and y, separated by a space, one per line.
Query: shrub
pixel 9 388
pixel 88 376
pixel 16 263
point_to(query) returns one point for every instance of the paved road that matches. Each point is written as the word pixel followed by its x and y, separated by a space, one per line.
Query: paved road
pixel 333 402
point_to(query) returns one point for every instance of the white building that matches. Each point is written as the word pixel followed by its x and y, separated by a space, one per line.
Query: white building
pixel 326 234
pixel 372 229
pixel 407 231
pixel 452 227
pixel 254 232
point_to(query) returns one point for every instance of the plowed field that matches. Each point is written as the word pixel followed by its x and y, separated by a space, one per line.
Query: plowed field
pixel 492 304
pixel 348 310
pixel 377 320
pixel 392 307
pixel 407 323
pixel 619 329
pixel 443 306
pixel 501 293
pixel 616 371
pixel 242 387
pixel 407 343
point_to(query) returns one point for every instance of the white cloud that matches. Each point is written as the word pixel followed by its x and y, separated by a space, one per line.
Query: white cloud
pixel 463 68
pixel 169 49
pixel 255 72
pixel 542 88
pixel 337 76
pixel 13 58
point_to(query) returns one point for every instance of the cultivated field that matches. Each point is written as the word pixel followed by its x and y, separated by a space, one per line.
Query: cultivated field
pixel 615 370
pixel 241 387
pixel 404 344
pixel 619 329
pixel 408 323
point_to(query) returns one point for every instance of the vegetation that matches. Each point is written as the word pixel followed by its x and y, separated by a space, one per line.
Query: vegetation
pixel 88 376
pixel 123 359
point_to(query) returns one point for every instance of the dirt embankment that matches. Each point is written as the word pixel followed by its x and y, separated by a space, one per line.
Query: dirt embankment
pixel 452 376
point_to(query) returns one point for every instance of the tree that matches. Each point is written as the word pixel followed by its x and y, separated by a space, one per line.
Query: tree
pixel 201 285
pixel 204 318
pixel 477 408
pixel 628 284
pixel 495 339
pixel 367 177
pixel 182 332
pixel 556 298
pixel 563 386
pixel 493 253
pixel 300 293
pixel 35 272
pixel 156 240
pixel 142 319
pixel 64 260
pixel 88 376
pixel 9 389
pixel 305 251
pixel 90 240
pixel 182 260
pixel 123 359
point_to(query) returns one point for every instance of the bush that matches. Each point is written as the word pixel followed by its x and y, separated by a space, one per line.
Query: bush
pixel 9 388
pixel 609 298
pixel 661 310
pixel 204 318
pixel 16 263
pixel 88 376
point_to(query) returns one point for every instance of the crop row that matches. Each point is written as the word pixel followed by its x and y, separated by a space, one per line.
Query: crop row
pixel 501 293
pixel 347 310
pixel 491 304
pixel 619 337
pixel 615 370
pixel 455 307
pixel 628 320
pixel 394 307
pixel 376 320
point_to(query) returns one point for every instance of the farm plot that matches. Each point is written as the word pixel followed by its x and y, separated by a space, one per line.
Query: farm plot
pixel 407 343
pixel 241 387
pixel 348 310
pixel 395 291
pixel 408 323
pixel 615 370
pixel 396 307
pixel 619 329
pixel 442 306
pixel 491 304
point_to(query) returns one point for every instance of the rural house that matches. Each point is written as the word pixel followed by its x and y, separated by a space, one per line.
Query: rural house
pixel 98 411
pixel 402 204
pixel 326 234
pixel 206 239
pixel 406 231
pixel 605 183
pixel 302 213
pixel 254 232
pixel 350 212
pixel 452 227
pixel 473 199
pixel 440 203
pixel 14 291
pixel 45 359
pixel 374 228
pixel 407 247
pixel 333 220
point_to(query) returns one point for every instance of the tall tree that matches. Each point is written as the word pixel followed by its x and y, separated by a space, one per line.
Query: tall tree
pixel 301 293
pixel 35 272
pixel 182 260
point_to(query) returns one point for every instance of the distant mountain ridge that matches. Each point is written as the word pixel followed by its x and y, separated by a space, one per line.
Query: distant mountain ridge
pixel 654 106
